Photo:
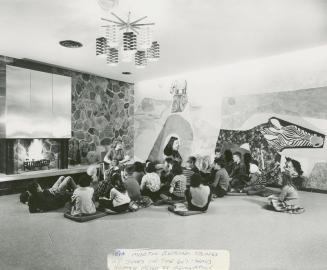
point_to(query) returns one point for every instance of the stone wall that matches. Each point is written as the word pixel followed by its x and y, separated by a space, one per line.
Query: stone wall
pixel 102 111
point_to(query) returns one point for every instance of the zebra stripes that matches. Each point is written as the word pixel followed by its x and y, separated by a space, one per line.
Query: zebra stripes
pixel 287 137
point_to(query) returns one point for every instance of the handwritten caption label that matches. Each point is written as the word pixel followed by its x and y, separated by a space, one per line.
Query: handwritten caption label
pixel 168 259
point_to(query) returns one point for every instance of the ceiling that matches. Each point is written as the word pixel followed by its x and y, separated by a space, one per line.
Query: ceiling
pixel 193 34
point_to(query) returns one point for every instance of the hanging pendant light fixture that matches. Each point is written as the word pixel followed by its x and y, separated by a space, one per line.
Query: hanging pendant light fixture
pixel 140 59
pixel 112 57
pixel 112 36
pixel 144 40
pixel 154 52
pixel 135 42
pixel 101 46
pixel 129 46
pixel 129 41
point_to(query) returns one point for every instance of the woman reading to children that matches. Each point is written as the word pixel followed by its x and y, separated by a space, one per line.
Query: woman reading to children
pixel 171 149
pixel 117 152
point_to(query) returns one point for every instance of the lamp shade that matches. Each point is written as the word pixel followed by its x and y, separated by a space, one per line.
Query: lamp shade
pixel 101 46
pixel 112 57
pixel 129 41
pixel 140 59
pixel 112 36
pixel 153 53
pixel 144 39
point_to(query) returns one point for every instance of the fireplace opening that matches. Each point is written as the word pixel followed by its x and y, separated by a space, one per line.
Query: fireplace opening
pixel 36 154
pixel 23 155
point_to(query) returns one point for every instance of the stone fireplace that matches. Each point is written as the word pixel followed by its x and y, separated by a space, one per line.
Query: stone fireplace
pixel 23 155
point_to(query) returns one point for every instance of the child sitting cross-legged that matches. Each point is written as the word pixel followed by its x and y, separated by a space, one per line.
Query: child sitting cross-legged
pixel 190 169
pixel 198 196
pixel 257 183
pixel 288 199
pixel 118 200
pixel 178 184
pixel 150 184
pixel 104 187
pixel 221 181
pixel 166 175
pixel 131 184
pixel 82 198
pixel 138 171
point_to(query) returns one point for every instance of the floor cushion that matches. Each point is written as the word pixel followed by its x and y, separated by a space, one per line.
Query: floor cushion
pixel 181 210
pixel 112 212
pixel 236 194
pixel 84 218
pixel 167 201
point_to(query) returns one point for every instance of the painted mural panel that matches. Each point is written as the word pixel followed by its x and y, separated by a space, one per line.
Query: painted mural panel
pixel 167 109
pixel 278 125
pixel 282 134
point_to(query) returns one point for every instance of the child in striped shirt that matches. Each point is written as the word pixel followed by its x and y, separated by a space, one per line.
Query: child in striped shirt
pixel 178 184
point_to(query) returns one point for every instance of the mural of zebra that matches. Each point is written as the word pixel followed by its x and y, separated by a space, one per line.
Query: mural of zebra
pixel 282 134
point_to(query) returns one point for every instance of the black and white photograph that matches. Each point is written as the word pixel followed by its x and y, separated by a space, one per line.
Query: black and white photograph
pixel 163 135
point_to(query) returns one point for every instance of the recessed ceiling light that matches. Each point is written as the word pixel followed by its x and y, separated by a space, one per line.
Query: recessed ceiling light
pixel 126 73
pixel 70 44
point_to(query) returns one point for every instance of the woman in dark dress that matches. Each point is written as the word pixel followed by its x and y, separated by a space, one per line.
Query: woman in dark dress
pixel 171 149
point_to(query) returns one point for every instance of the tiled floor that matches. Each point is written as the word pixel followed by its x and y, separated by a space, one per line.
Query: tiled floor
pixel 257 238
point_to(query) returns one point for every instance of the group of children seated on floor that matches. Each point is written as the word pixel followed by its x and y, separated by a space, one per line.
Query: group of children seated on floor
pixel 137 185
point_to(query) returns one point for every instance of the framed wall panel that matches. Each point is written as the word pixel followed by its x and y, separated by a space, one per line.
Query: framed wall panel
pixel 62 106
pixel 18 103
pixel 38 104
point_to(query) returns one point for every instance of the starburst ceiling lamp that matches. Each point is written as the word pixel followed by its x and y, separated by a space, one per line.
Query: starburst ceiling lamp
pixel 136 38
